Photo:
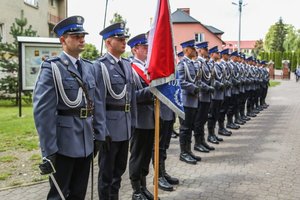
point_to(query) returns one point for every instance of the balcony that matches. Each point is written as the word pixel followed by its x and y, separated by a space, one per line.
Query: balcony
pixel 53 19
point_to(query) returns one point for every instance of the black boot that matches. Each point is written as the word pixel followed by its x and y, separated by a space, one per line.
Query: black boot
pixel 230 123
pixel 185 156
pixel 238 120
pixel 170 179
pixel 243 116
pixel 137 193
pixel 198 145
pixel 162 182
pixel 211 136
pixel 144 189
pixel 189 150
pixel 222 130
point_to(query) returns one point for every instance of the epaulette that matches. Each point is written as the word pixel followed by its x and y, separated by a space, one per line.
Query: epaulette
pixel 52 59
pixel 86 60
pixel 102 58
pixel 126 59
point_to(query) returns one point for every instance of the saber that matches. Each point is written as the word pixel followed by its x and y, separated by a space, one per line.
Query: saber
pixel 47 168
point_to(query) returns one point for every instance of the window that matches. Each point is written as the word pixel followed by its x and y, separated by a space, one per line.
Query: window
pixel 2 36
pixel 199 37
pixel 32 2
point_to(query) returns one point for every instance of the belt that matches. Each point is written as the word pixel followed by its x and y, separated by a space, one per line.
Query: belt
pixel 125 108
pixel 146 103
pixel 80 112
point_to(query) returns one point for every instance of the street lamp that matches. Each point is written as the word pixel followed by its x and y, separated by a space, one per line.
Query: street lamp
pixel 104 25
pixel 240 14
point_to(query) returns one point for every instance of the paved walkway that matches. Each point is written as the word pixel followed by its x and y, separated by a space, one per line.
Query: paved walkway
pixel 258 162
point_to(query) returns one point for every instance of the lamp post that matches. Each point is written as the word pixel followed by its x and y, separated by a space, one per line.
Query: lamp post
pixel 104 26
pixel 240 4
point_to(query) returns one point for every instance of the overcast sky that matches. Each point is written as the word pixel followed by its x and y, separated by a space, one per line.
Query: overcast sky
pixel 257 15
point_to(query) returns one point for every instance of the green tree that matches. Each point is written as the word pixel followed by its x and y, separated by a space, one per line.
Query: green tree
pixel 289 43
pixel 258 47
pixel 276 36
pixel 280 32
pixel 9 57
pixel 90 52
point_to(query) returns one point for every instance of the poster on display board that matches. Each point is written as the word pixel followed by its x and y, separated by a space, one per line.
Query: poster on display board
pixel 33 51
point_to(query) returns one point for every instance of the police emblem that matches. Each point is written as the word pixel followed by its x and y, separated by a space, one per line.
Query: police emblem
pixel 79 20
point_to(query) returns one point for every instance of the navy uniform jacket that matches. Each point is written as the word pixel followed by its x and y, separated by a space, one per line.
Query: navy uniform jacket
pixel 219 92
pixel 166 113
pixel 204 96
pixel 145 102
pixel 242 77
pixel 235 77
pixel 118 123
pixel 189 97
pixel 67 135
pixel 252 77
pixel 227 77
pixel 247 77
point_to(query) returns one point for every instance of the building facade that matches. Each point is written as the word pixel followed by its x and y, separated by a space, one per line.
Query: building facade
pixel 41 14
pixel 186 28
pixel 246 46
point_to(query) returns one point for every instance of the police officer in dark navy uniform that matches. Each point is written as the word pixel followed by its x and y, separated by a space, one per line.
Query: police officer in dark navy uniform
pixel 204 78
pixel 190 97
pixel 120 112
pixel 227 92
pixel 233 103
pixel 63 104
pixel 217 96
pixel 141 143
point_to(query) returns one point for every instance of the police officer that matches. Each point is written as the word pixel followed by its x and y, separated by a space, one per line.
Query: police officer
pixel 120 112
pixel 243 94
pixel 265 85
pixel 227 92
pixel 217 96
pixel 63 104
pixel 190 92
pixel 204 77
pixel 251 97
pixel 141 143
pixel 233 105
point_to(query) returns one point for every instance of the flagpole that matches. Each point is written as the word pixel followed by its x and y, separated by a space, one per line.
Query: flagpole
pixel 156 149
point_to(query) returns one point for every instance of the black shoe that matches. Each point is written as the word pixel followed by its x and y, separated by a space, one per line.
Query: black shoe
pixel 219 139
pixel 224 132
pixel 232 126
pixel 212 139
pixel 239 122
pixel 211 148
pixel 171 180
pixel 197 158
pixel 201 148
pixel 147 193
pixel 186 157
pixel 164 185
pixel 138 196
pixel 251 114
pixel 245 118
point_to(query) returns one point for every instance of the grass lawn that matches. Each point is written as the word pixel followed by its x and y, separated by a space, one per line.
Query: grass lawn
pixel 17 132
pixel 274 83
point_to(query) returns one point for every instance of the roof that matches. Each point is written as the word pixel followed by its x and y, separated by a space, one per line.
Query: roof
pixel 180 16
pixel 245 44
pixel 214 29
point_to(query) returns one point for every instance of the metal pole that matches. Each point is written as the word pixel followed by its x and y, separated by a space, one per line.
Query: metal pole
pixel 240 14
pixel 104 26
pixel 156 149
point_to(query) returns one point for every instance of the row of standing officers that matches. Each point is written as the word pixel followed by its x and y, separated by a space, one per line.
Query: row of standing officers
pixel 83 107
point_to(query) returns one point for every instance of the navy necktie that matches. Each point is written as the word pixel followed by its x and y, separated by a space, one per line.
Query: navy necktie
pixel 121 66
pixel 79 67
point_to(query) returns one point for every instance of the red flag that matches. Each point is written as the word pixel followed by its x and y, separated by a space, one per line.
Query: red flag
pixel 161 60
